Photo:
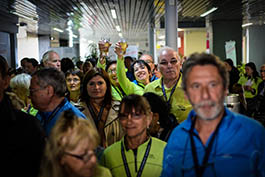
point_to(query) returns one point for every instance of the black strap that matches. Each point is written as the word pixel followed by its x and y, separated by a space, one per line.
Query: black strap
pixel 54 112
pixel 140 171
pixel 199 169
pixel 121 93
pixel 96 118
pixel 140 85
pixel 171 93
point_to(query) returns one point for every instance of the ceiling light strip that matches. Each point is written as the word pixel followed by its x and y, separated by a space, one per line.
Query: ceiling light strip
pixel 209 11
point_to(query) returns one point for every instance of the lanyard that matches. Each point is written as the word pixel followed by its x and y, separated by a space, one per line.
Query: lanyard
pixel 140 85
pixel 200 168
pixel 54 112
pixel 140 171
pixel 121 93
pixel 96 118
pixel 171 93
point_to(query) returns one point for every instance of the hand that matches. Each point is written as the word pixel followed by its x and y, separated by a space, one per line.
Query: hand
pixel 103 47
pixel 118 50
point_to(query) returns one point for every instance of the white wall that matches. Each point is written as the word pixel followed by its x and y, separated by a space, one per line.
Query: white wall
pixel 256 45
pixel 27 45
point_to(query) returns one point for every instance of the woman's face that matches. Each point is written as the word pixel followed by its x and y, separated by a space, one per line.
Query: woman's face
pixel 80 161
pixel 96 87
pixel 135 123
pixel 248 70
pixel 73 83
pixel 141 72
pixel 113 74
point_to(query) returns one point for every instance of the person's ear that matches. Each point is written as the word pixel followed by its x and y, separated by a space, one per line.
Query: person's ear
pixel 149 119
pixel 50 90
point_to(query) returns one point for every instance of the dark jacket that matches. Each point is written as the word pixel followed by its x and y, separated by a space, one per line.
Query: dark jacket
pixel 233 78
pixel 22 141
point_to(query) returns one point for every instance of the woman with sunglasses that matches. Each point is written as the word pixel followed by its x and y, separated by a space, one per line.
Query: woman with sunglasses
pixel 137 154
pixel 70 148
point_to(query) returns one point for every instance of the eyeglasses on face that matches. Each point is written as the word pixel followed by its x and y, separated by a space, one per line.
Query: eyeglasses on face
pixel 261 71
pixel 74 80
pixel 134 116
pixel 172 62
pixel 110 71
pixel 84 157
pixel 31 91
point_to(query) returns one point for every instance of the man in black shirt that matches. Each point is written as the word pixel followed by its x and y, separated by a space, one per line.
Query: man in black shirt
pixel 22 138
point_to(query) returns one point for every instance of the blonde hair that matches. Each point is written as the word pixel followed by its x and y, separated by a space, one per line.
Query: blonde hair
pixel 67 133
pixel 20 86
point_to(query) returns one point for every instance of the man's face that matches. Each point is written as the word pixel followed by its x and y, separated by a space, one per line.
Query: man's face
pixel 205 91
pixel 29 68
pixel 38 95
pixel 149 60
pixel 262 73
pixel 53 61
pixel 169 64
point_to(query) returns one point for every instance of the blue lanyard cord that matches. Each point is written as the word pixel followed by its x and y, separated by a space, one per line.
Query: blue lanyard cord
pixel 172 91
pixel 140 171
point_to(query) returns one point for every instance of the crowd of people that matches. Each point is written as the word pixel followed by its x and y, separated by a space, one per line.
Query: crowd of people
pixel 132 118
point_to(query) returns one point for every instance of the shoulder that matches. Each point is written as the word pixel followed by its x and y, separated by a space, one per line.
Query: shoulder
pixel 153 85
pixel 102 171
pixel 158 144
pixel 113 149
pixel 76 111
pixel 115 105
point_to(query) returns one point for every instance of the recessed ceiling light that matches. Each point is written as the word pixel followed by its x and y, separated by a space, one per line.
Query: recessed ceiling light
pixel 113 13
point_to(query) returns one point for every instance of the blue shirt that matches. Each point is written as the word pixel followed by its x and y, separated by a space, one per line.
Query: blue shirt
pixel 238 149
pixel 42 116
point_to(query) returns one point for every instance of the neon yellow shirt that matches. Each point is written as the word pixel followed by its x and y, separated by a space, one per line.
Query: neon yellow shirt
pixel 112 159
pixel 180 106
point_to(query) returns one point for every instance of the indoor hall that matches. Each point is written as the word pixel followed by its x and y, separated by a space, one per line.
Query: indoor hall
pixel 229 29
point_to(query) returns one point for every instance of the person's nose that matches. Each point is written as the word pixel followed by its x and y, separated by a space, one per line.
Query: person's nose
pixel 97 86
pixel 205 93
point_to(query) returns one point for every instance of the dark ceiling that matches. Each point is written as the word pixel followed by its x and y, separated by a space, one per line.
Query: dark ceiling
pixel 133 16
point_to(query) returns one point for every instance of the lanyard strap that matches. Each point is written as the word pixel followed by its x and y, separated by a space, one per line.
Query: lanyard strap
pixel 140 85
pixel 200 169
pixel 96 118
pixel 140 171
pixel 171 93
pixel 54 112
pixel 120 91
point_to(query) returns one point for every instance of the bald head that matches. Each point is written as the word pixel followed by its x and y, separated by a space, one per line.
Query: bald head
pixel 52 59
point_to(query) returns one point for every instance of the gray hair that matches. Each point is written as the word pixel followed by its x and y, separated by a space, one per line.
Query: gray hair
pixel 166 48
pixel 52 77
pixel 20 81
pixel 45 56
pixel 203 59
